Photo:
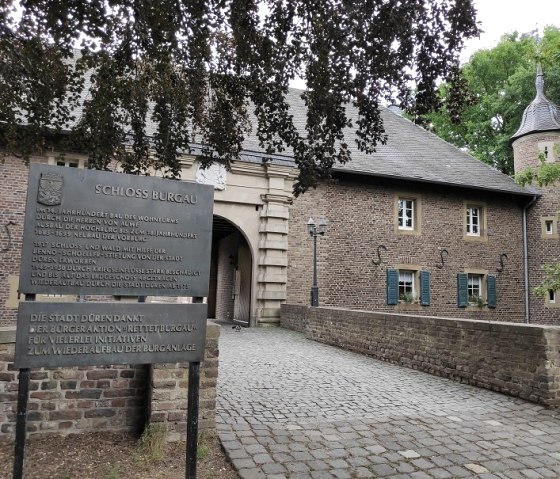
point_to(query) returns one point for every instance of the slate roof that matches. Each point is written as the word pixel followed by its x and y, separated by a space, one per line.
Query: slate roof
pixel 541 114
pixel 411 153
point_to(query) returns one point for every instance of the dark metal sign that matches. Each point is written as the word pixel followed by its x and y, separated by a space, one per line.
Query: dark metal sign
pixel 96 334
pixel 93 232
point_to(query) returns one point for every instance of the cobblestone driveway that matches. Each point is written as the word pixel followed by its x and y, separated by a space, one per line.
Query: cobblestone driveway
pixel 293 408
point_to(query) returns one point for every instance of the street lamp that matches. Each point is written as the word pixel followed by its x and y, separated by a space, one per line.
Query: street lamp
pixel 314 231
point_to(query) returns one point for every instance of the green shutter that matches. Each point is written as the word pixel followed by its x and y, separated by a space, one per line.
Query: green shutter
pixel 392 286
pixel 491 290
pixel 425 288
pixel 462 290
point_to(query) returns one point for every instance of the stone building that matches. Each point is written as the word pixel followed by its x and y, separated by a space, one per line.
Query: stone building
pixel 419 227
pixel 418 218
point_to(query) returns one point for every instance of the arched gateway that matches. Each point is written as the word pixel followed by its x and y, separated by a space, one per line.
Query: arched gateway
pixel 250 236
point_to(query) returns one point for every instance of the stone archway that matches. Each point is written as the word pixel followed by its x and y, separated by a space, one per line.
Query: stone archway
pixel 230 291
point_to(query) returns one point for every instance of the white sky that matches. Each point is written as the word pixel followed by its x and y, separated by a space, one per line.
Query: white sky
pixel 497 17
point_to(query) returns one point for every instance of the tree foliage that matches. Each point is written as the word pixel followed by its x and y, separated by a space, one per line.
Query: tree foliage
pixel 163 75
pixel 499 83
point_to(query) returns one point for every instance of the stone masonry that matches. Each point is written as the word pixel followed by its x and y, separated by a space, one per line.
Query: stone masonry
pixel 361 218
pixel 112 398
pixel 515 359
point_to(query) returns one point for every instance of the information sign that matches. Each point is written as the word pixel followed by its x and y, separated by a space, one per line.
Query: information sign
pixel 98 334
pixel 93 232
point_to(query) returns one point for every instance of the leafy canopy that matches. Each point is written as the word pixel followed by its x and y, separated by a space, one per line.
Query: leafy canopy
pixel 499 83
pixel 164 75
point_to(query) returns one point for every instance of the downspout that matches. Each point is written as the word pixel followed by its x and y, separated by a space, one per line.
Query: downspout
pixel 526 257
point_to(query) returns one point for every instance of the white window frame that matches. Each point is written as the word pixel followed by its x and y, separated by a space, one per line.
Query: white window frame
pixel 406 205
pixel 474 221
pixel 407 284
pixel 74 161
pixel 549 227
pixel 475 288
pixel 551 296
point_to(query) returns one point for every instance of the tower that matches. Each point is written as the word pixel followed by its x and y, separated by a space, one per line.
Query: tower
pixel 538 141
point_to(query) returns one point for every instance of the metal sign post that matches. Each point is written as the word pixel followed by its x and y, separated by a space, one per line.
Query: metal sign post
pixel 21 418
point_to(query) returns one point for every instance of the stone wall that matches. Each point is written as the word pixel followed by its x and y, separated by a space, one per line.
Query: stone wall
pixel 361 217
pixel 515 359
pixel 120 397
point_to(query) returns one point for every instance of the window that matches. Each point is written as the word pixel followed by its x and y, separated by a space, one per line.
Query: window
pixel 476 288
pixel 548 151
pixel 549 227
pixel 408 286
pixel 70 164
pixel 552 299
pixel 77 161
pixel 474 222
pixel 407 214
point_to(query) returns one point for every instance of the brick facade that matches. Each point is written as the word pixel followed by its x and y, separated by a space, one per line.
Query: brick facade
pixel 515 359
pixel 361 216
pixel 112 398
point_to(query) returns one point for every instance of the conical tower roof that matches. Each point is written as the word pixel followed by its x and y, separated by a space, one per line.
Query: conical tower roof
pixel 541 114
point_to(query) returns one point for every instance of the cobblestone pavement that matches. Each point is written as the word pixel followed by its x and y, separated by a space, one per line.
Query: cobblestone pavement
pixel 293 408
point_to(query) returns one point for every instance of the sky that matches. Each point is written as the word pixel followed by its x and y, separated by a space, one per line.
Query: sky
pixel 497 17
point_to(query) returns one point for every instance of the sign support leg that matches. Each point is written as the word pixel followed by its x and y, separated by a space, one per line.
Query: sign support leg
pixel 21 422
pixel 192 420
pixel 21 418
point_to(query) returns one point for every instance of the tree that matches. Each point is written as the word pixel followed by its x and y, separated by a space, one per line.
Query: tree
pixel 197 69
pixel 499 83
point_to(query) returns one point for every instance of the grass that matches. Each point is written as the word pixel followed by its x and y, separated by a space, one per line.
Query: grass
pixel 152 442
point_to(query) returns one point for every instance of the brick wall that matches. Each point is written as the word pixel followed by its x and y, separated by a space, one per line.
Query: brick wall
pixel 82 399
pixel 169 385
pixel 515 359
pixel 361 216
pixel 526 149
pixel 543 250
pixel 13 192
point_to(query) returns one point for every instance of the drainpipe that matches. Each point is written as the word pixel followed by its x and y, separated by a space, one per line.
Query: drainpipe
pixel 526 256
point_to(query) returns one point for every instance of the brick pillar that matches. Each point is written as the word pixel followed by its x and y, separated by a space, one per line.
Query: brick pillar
pixel 169 386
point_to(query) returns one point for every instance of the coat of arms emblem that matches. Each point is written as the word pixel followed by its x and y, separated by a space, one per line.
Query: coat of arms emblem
pixel 50 189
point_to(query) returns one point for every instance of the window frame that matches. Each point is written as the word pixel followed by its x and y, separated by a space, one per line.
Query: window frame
pixel 482 221
pixel 487 290
pixel 403 287
pixel 553 222
pixel 420 286
pixel 416 207
pixel 74 161
pixel 553 302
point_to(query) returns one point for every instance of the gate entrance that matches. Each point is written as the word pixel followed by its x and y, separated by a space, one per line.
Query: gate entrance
pixel 230 274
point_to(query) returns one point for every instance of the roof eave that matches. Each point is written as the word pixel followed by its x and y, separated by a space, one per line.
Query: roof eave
pixel 524 193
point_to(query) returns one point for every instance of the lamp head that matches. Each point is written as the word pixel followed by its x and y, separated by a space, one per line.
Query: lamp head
pixel 322 226
pixel 311 226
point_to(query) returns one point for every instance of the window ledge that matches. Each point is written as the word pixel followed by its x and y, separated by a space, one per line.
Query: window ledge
pixel 476 239
pixel 408 307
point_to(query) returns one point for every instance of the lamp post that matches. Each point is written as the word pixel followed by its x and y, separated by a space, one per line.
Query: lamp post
pixel 314 231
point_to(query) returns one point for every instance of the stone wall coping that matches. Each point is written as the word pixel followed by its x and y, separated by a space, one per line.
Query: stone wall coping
pixel 520 328
pixel 7 335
